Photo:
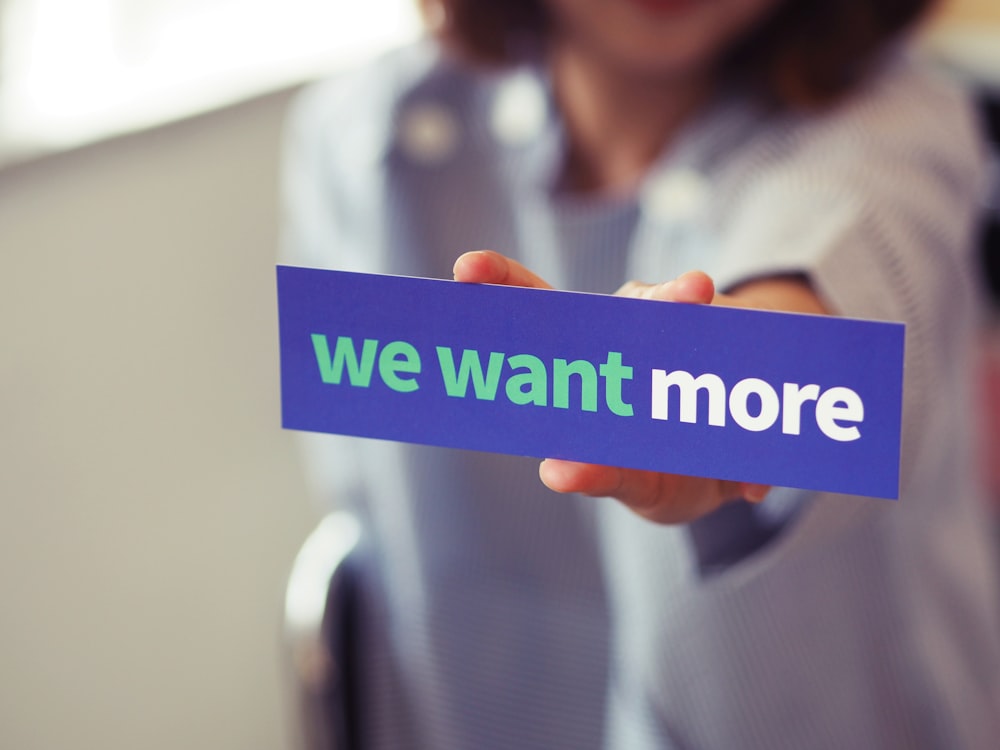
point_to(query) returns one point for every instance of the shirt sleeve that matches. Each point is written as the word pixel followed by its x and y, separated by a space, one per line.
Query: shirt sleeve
pixel 875 204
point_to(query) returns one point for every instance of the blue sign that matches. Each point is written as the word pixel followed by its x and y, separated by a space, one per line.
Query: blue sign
pixel 765 397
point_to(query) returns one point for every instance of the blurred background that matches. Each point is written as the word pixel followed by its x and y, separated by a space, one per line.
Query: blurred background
pixel 151 506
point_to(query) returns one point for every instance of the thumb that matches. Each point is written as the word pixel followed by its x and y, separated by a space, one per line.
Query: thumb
pixel 693 287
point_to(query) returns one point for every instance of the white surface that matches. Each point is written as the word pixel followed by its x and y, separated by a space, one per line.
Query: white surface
pixel 76 71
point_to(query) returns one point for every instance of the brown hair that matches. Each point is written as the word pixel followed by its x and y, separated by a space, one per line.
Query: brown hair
pixel 806 53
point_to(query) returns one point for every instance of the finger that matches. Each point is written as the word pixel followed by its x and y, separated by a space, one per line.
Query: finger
pixel 488 267
pixel 663 498
pixel 694 287
pixel 754 493
pixel 572 476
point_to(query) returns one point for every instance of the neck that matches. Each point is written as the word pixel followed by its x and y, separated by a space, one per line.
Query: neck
pixel 618 122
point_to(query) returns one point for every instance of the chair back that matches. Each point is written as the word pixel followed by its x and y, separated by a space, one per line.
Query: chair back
pixel 321 602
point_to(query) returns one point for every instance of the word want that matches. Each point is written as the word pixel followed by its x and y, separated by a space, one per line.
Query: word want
pixel 528 382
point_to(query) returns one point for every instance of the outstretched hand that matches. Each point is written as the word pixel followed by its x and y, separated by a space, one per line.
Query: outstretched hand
pixel 663 498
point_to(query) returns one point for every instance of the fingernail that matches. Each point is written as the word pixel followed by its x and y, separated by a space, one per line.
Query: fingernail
pixel 464 258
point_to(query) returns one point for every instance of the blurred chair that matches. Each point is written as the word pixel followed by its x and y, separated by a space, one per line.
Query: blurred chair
pixel 320 614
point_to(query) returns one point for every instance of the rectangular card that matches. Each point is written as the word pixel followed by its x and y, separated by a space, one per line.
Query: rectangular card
pixel 772 398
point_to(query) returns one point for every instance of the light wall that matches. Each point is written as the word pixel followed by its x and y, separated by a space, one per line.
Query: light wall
pixel 151 506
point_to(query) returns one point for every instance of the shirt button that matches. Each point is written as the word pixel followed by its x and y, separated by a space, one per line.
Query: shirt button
pixel 428 133
pixel 677 196
pixel 519 110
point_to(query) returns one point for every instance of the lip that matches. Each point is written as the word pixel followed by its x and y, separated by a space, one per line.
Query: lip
pixel 664 7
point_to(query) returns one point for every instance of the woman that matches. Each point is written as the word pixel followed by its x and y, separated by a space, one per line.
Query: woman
pixel 795 155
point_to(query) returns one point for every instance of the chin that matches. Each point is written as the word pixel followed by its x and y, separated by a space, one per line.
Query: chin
pixel 658 37
pixel 665 58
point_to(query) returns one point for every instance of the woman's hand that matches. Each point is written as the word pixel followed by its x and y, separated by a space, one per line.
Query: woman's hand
pixel 663 498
